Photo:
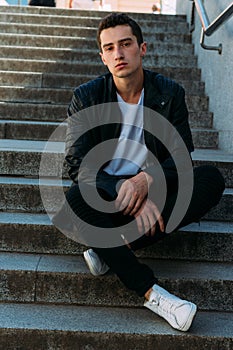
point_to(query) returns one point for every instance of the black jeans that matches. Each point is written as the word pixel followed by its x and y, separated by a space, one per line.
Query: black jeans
pixel 207 191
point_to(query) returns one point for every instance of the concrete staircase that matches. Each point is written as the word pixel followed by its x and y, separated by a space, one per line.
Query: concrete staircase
pixel 48 298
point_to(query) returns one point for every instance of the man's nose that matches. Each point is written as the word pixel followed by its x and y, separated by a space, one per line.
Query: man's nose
pixel 118 52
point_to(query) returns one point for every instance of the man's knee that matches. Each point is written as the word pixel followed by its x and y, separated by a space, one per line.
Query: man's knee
pixel 211 178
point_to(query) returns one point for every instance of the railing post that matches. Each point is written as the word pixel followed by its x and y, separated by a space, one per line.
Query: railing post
pixel 206 47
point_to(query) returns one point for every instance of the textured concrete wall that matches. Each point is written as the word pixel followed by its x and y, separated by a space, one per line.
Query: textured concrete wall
pixel 217 70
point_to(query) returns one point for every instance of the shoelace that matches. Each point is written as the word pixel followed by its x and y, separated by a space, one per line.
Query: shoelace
pixel 165 304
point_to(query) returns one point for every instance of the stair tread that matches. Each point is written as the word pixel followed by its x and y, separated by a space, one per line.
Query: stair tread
pixel 34 122
pixel 93 319
pixel 43 219
pixel 168 269
pixel 45 123
pixel 95 15
pixel 51 182
pixel 38 146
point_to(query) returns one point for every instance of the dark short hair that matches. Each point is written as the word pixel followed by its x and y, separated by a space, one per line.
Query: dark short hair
pixel 115 19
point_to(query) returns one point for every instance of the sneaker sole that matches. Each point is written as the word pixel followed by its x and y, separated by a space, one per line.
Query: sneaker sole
pixel 87 258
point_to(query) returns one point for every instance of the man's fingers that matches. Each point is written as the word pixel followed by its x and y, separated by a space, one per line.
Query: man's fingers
pixel 139 224
pixel 129 200
pixel 134 206
pixel 147 217
pixel 159 218
pixel 161 223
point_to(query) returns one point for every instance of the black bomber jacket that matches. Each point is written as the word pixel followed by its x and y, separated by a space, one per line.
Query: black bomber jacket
pixel 94 118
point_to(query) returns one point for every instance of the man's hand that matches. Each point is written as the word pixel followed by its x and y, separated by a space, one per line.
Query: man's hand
pixel 132 193
pixel 147 217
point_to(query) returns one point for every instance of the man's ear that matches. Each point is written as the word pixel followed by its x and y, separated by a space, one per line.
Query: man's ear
pixel 143 48
pixel 102 57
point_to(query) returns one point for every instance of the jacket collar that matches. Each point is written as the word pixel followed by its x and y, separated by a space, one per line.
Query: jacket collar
pixel 152 95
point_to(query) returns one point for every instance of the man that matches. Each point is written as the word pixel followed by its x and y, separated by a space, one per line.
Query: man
pixel 136 197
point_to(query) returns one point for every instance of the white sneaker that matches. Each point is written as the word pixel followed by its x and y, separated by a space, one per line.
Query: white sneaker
pixel 177 312
pixel 96 265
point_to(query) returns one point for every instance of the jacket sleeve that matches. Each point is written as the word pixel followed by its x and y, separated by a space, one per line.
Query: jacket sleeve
pixel 77 142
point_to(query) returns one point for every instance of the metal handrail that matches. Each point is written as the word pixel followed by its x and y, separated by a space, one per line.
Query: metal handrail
pixel 207 27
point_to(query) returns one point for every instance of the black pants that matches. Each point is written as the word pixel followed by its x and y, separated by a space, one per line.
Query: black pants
pixel 207 191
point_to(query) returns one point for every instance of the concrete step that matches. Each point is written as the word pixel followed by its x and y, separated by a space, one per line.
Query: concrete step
pixel 46 11
pixel 23 130
pixel 96 69
pixel 205 138
pixel 33 111
pixel 66 279
pixel 15 196
pixel 78 327
pixel 84 44
pixel 40 80
pixel 22 158
pixel 34 233
pixel 147 23
pixel 29 130
pixel 59 41
pixel 72 26
pixel 57 113
pixel 63 97
pixel 92 57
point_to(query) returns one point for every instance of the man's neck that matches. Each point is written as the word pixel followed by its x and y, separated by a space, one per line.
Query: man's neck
pixel 129 90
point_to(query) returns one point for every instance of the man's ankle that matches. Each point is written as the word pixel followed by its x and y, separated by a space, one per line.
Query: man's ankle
pixel 147 294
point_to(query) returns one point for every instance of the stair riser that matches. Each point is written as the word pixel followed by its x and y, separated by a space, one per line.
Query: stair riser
pixel 46 239
pixel 82 43
pixel 68 340
pixel 98 69
pixel 27 164
pixel 39 112
pixel 57 113
pixel 71 42
pixel 93 58
pixel 223 211
pixel 54 81
pixel 73 21
pixel 59 96
pixel 72 26
pixel 83 289
pixel 46 11
pixel 201 139
pixel 15 197
pixel 205 139
pixel 30 131
pixel 71 55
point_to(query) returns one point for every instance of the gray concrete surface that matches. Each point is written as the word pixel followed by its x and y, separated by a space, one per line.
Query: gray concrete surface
pixel 217 70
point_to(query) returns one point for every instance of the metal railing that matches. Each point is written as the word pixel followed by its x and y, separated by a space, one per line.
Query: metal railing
pixel 207 27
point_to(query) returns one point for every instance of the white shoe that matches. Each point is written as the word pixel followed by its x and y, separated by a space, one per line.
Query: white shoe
pixel 177 312
pixel 96 265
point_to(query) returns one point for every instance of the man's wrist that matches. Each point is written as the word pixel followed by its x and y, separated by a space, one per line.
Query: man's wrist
pixel 149 178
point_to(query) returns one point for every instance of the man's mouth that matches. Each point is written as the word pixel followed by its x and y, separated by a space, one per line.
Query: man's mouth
pixel 121 65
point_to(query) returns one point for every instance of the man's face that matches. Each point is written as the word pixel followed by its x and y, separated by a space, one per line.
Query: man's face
pixel 120 51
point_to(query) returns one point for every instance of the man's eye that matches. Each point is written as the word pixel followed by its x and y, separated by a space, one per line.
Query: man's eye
pixel 108 48
pixel 125 44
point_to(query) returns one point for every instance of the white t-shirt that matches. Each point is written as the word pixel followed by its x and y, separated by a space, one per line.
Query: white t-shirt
pixel 131 151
